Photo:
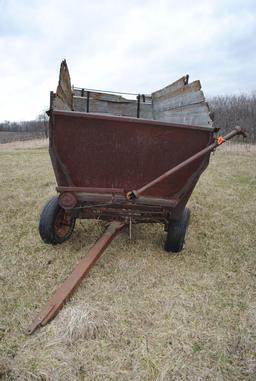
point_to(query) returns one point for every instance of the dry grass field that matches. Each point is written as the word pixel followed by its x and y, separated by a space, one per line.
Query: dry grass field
pixel 140 314
pixel 11 136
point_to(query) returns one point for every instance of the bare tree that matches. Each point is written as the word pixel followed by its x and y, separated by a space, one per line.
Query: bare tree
pixel 235 110
pixel 43 117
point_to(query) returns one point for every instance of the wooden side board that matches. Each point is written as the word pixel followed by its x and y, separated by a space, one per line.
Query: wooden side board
pixel 63 99
pixel 119 108
pixel 179 102
pixel 172 88
pixel 193 114
pixel 183 103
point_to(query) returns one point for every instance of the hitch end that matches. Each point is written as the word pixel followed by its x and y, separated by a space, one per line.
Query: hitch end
pixel 241 131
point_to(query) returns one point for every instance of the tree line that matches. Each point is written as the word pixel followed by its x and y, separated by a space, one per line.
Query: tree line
pixel 228 111
pixel 35 128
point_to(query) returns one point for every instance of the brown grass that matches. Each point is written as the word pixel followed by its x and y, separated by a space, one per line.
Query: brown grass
pixel 14 136
pixel 25 144
pixel 140 314
pixel 81 322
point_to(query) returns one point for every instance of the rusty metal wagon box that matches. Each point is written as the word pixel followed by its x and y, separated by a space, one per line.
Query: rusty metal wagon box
pixel 125 159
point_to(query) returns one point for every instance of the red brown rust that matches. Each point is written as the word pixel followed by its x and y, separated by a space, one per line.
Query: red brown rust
pixel 137 193
pixel 67 200
pixel 100 158
pixel 62 223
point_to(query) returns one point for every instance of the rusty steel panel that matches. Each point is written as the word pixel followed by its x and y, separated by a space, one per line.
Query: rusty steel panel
pixel 137 193
pixel 99 151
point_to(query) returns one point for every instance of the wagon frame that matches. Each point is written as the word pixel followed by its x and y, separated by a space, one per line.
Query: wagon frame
pixel 124 161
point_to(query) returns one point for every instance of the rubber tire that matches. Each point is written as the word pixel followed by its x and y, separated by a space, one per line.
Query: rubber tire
pixel 176 233
pixel 47 222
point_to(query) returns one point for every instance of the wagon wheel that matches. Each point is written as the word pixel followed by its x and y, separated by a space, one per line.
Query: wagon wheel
pixel 56 225
pixel 176 233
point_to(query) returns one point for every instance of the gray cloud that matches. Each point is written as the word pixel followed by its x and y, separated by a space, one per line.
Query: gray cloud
pixel 135 46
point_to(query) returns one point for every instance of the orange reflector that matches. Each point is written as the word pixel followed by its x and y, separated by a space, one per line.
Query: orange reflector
pixel 220 140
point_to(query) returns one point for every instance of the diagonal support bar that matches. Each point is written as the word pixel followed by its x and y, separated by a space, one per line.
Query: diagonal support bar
pixel 134 194
pixel 63 293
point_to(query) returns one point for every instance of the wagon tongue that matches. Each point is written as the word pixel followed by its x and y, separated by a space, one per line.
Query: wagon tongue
pixel 134 194
pixel 52 307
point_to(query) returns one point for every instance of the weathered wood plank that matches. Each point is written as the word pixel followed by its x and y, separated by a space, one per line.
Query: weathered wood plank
pixel 180 100
pixel 94 94
pixel 189 88
pixel 195 115
pixel 64 95
pixel 126 108
pixel 181 104
pixel 170 88
pixel 97 95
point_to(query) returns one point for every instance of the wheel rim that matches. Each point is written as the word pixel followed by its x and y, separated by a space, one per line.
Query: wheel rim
pixel 63 224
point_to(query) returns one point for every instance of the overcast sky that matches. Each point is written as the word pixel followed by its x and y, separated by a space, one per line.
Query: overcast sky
pixel 125 45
